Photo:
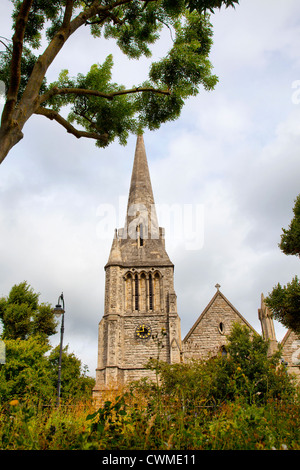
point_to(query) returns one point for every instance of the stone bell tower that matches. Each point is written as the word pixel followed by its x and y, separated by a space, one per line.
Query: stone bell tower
pixel 140 301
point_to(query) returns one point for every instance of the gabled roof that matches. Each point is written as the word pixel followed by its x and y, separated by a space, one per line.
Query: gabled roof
pixel 286 337
pixel 217 294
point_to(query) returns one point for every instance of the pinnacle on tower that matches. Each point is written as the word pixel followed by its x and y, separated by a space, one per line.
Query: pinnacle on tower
pixel 115 256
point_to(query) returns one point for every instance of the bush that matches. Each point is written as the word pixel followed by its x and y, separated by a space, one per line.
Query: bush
pixel 243 401
pixel 135 420
pixel 246 372
pixel 24 426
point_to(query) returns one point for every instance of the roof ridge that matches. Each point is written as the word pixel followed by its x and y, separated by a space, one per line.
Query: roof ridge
pixel 208 307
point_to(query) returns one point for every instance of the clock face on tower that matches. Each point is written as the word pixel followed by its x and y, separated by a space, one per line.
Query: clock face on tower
pixel 143 331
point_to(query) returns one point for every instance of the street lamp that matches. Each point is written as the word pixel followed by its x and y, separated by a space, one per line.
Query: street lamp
pixel 59 311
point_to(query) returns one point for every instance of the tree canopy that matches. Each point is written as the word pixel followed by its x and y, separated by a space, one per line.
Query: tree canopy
pixel 30 368
pixel 100 109
pixel 245 372
pixel 284 301
pixel 22 316
pixel 290 238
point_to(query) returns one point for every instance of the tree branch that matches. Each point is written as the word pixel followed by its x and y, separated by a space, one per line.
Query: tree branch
pixel 2 42
pixel 109 96
pixel 113 17
pixel 31 99
pixel 27 104
pixel 53 115
pixel 15 65
pixel 68 14
pixel 94 10
pixel 140 90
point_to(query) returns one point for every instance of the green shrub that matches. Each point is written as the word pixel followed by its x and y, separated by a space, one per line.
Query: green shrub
pixel 243 401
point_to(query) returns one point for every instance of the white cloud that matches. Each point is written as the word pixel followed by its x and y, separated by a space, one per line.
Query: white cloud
pixel 247 36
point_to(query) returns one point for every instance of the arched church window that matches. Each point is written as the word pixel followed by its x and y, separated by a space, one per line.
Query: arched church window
pixel 136 292
pixel 142 292
pixel 150 292
pixel 128 292
pixel 221 328
pixel 156 291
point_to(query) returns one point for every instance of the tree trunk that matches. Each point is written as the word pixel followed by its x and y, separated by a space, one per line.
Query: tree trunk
pixel 15 115
pixel 9 137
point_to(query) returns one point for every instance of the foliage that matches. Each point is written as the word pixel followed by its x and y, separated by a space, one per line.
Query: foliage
pixel 235 402
pixel 290 238
pixel 284 302
pixel 26 372
pixel 30 373
pixel 246 372
pixel 75 382
pixel 27 427
pixel 241 401
pixel 130 421
pixel 202 5
pixel 30 370
pixel 105 110
pixel 242 426
pixel 22 316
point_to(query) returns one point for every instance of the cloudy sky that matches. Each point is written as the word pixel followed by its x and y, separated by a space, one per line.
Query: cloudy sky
pixel 232 159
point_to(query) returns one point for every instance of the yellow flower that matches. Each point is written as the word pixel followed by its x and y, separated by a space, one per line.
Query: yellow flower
pixel 14 402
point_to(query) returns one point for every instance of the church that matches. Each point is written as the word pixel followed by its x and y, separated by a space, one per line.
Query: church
pixel 140 308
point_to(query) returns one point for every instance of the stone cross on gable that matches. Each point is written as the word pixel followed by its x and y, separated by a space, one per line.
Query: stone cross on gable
pixel 217 286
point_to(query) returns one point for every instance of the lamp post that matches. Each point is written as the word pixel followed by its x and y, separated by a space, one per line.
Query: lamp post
pixel 59 311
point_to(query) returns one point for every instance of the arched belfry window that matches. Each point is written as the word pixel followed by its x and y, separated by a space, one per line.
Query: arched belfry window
pixel 128 292
pixel 150 292
pixel 142 292
pixel 136 292
pixel 156 291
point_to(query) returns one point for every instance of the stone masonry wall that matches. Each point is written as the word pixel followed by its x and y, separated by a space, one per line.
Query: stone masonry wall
pixel 291 353
pixel 209 335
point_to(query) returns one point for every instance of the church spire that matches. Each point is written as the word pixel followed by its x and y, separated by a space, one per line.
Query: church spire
pixel 141 214
pixel 140 185
pixel 141 241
